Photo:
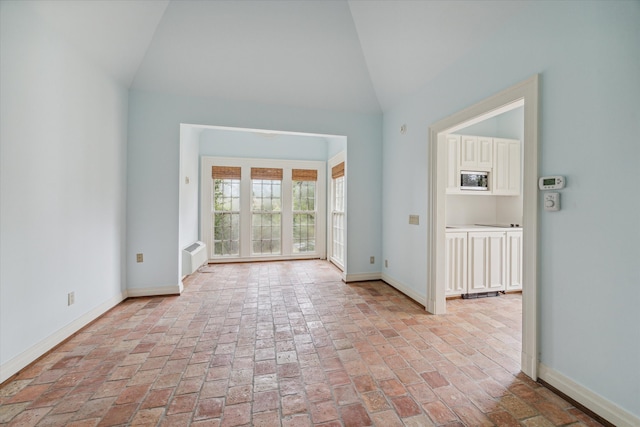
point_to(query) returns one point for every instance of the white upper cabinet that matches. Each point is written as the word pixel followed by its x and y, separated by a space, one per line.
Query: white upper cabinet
pixel 476 153
pixel 506 167
pixel 453 170
pixel 502 158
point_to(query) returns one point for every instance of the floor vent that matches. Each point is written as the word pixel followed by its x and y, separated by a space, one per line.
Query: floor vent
pixel 481 295
pixel 193 256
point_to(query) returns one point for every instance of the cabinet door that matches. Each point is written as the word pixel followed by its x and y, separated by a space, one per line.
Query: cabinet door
pixel 455 274
pixel 506 167
pixel 485 153
pixel 514 260
pixel 453 173
pixel 468 152
pixel 486 259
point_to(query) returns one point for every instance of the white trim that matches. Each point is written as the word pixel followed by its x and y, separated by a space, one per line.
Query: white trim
pixel 361 277
pixel 156 291
pixel 593 401
pixel 36 351
pixel 335 160
pixel 404 289
pixel 436 298
pixel 254 258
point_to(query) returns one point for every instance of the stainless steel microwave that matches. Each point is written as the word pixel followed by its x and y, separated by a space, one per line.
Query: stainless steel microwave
pixel 474 180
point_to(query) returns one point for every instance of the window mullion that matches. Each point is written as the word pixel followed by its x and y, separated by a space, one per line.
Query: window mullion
pixel 245 212
pixel 287 212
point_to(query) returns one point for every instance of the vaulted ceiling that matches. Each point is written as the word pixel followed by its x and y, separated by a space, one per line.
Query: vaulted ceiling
pixel 330 54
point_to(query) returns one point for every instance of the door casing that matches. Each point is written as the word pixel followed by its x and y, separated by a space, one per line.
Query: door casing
pixel 525 92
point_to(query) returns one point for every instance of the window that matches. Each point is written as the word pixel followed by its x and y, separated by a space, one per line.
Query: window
pixel 337 214
pixel 226 211
pixel 304 210
pixel 266 211
pixel 263 209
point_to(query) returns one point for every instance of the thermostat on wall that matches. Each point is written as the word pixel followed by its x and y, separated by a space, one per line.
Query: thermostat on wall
pixel 551 182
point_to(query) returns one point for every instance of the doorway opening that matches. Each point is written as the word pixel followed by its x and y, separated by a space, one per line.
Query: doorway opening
pixel 289 209
pixel 525 93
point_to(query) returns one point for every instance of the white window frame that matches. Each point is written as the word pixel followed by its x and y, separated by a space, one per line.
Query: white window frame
pixel 246 164
pixel 335 160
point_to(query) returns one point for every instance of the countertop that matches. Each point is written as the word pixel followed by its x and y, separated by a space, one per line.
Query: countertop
pixel 475 227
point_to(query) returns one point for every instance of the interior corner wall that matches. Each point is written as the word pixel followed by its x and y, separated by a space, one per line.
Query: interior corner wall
pixel 588 270
pixel 189 187
pixel 63 133
pixel 153 170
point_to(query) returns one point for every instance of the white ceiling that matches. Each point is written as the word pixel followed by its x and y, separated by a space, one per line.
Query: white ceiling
pixel 330 54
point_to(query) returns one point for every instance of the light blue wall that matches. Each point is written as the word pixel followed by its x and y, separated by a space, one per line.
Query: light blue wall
pixel 229 143
pixel 63 136
pixel 153 161
pixel 588 54
pixel 189 179
pixel 507 125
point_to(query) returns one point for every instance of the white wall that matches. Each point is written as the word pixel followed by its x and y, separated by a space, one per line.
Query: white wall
pixel 589 274
pixel 153 168
pixel 63 127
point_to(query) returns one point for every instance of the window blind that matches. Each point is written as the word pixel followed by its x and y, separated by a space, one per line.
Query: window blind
pixel 266 173
pixel 337 171
pixel 225 172
pixel 304 175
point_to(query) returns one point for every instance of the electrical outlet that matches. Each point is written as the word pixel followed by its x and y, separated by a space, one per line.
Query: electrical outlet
pixel 139 258
pixel 71 298
pixel 372 260
pixel 386 263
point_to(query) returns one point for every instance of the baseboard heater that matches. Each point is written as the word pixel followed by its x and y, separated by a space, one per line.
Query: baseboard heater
pixel 193 256
pixel 481 295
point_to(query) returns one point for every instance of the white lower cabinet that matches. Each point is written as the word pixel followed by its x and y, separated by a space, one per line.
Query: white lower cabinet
pixel 456 263
pixel 514 260
pixel 483 261
pixel 486 261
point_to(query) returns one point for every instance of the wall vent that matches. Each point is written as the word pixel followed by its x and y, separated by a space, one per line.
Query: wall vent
pixel 193 256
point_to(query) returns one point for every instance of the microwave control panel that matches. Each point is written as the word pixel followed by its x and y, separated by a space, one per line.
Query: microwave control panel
pixel 551 182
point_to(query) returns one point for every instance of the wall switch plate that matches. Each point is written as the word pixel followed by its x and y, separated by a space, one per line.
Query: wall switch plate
pixel 139 258
pixel 386 263
pixel 551 202
pixel 414 219
pixel 372 260
pixel 71 298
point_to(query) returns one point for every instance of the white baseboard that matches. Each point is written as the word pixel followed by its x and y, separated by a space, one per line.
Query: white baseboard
pixel 156 291
pixel 404 289
pixel 13 366
pixel 361 277
pixel 596 403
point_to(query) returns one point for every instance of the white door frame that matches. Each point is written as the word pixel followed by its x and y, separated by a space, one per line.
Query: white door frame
pixel 527 92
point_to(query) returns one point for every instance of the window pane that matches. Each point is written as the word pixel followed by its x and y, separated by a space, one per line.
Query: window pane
pixel 226 217
pixel 266 217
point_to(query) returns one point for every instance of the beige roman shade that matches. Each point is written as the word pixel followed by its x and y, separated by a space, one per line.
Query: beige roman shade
pixel 304 175
pixel 337 171
pixel 266 173
pixel 225 172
